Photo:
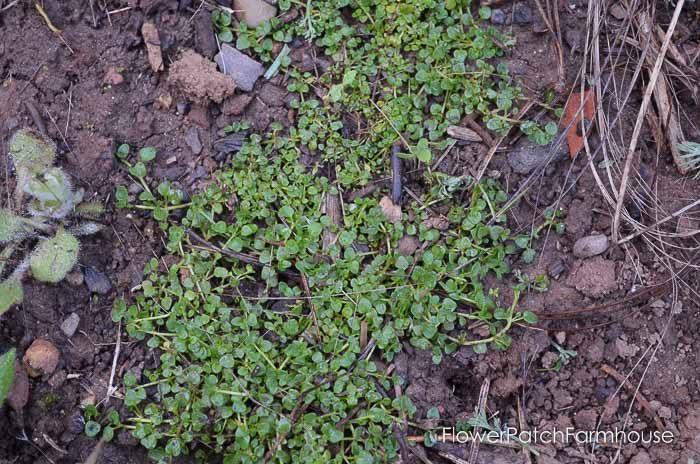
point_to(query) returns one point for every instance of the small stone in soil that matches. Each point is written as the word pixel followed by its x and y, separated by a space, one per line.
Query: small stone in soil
pixel 152 40
pixel 134 189
pixel 204 40
pixel 182 107
pixel 70 325
pixel 97 281
pixel 254 12
pixel 231 143
pixel 498 16
pixel 522 13
pixel 112 77
pixel 526 158
pixel 592 245
pixel 192 140
pixel 75 278
pixel 243 69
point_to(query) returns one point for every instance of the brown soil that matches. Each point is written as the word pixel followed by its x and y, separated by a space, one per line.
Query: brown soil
pixel 105 93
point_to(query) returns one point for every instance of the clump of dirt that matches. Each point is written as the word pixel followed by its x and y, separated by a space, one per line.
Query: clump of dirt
pixel 199 80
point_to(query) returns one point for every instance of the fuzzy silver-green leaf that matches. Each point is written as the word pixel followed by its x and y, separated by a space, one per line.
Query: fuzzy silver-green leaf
pixel 31 151
pixel 11 226
pixel 7 373
pixel 10 293
pixel 52 259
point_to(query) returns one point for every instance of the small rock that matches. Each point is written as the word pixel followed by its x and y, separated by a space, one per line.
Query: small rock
pixel 198 78
pixel 152 40
pixel 75 278
pixel 113 77
pixel 236 105
pixel 70 325
pixel 522 13
pixel 97 281
pixel 41 358
pixel 134 189
pixel 19 393
pixel 204 39
pixel 391 211
pixel 182 107
pixel 192 140
pixel 498 16
pixel 408 244
pixel 526 158
pixel 556 269
pixel 592 245
pixel 230 144
pixel 254 12
pixel 560 337
pixel 243 69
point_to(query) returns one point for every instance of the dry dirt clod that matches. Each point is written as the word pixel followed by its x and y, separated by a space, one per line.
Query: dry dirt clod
pixel 198 78
pixel 590 246
pixel 408 244
pixel 41 358
pixel 391 211
pixel 236 105
pixel 152 40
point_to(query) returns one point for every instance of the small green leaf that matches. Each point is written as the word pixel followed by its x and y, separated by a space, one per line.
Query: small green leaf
pixel 123 151
pixel 147 154
pixel 433 413
pixel 529 317
pixel 138 170
pixel 423 152
pixel 92 428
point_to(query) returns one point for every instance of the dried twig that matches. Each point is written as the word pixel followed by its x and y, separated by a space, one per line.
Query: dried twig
pixel 640 119
pixel 481 409
pixel 640 398
pixel 49 24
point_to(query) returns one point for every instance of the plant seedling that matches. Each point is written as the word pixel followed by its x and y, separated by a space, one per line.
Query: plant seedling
pixel 55 215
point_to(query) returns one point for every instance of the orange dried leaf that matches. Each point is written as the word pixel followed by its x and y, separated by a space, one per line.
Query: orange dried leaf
pixel 571 113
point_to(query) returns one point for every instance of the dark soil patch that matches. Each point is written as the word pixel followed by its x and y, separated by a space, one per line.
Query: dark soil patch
pixel 89 116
